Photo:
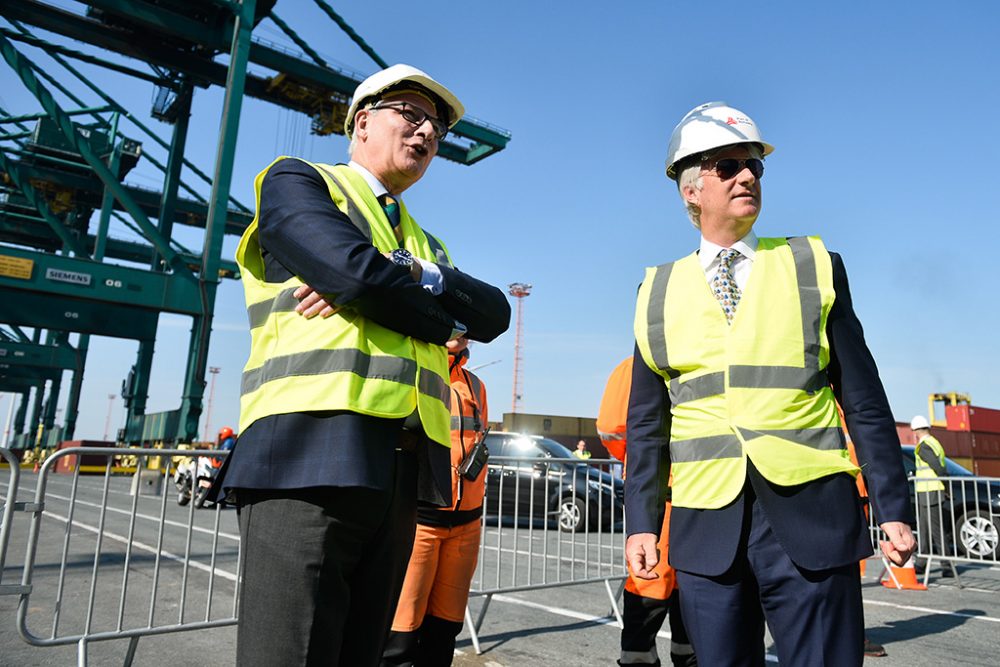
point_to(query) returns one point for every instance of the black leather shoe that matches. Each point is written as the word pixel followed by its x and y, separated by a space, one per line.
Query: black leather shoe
pixel 874 650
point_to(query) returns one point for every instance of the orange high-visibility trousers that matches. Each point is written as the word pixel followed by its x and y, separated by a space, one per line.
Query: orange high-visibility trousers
pixel 439 574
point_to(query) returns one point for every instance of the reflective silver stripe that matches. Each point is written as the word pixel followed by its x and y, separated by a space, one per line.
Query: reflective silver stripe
pixel 476 385
pixel 777 377
pixel 809 378
pixel 639 657
pixel 431 384
pixel 705 449
pixel 824 439
pixel 810 300
pixel 465 423
pixel 604 435
pixel 440 256
pixel 703 386
pixel 677 648
pixel 283 303
pixel 654 319
pixel 357 219
pixel 322 362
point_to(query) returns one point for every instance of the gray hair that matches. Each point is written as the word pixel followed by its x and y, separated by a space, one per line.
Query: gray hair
pixel 691 176
pixel 354 142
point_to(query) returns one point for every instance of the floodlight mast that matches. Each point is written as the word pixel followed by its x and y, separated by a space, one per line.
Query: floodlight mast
pixel 518 291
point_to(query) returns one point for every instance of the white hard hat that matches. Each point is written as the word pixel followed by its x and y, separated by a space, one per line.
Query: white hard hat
pixel 392 77
pixel 919 422
pixel 708 126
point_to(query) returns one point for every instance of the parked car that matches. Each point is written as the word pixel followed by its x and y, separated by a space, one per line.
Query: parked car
pixel 973 509
pixel 540 487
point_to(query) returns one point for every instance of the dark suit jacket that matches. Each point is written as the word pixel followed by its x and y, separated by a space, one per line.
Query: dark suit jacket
pixel 820 524
pixel 303 233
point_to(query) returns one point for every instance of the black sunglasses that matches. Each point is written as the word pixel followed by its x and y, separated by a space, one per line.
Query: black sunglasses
pixel 415 117
pixel 728 167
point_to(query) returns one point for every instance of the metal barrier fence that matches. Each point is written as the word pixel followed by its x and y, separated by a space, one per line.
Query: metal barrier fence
pixel 549 522
pixel 960 524
pixel 144 566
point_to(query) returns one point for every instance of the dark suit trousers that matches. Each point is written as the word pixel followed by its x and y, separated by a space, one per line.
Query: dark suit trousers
pixel 815 616
pixel 322 570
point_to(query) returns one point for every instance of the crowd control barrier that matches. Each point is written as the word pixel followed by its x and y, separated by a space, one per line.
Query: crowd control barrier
pixel 120 558
pixel 115 556
pixel 959 524
pixel 549 522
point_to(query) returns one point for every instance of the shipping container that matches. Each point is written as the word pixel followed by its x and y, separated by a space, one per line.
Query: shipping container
pixel 972 418
pixel 985 445
pixel 986 467
pixel 67 464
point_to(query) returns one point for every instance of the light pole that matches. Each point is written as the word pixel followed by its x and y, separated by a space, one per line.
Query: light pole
pixel 213 370
pixel 518 291
pixel 107 421
pixel 6 428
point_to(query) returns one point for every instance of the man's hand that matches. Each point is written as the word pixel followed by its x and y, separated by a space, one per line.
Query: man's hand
pixel 312 303
pixel 901 543
pixel 641 554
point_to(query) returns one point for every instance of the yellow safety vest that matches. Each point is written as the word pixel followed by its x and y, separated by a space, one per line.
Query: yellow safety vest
pixel 755 389
pixel 344 362
pixel 924 471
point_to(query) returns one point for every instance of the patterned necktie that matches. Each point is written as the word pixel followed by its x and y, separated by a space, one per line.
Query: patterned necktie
pixel 724 284
pixel 391 207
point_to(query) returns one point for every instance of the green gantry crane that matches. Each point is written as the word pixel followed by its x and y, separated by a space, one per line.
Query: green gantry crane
pixel 58 170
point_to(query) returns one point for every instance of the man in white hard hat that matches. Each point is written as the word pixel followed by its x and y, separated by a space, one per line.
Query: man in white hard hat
pixel 345 417
pixel 930 461
pixel 742 348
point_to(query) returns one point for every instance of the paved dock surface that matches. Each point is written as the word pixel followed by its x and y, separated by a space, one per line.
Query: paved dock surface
pixel 955 622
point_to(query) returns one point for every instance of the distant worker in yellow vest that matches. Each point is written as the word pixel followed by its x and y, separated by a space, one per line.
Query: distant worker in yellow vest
pixel 581 451
pixel 345 417
pixel 742 348
pixel 931 492
pixel 432 604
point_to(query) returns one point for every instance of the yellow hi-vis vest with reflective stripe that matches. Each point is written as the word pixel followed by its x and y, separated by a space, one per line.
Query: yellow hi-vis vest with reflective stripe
pixel 924 471
pixel 344 362
pixel 755 389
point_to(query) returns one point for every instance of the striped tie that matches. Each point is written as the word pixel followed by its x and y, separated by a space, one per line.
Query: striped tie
pixel 724 284
pixel 391 207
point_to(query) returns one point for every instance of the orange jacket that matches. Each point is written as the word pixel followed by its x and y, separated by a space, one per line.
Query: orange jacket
pixel 611 425
pixel 614 409
pixel 469 417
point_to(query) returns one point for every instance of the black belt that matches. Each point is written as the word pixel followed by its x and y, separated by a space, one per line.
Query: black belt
pixel 408 441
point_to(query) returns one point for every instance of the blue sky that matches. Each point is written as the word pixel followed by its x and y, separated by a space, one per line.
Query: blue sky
pixel 884 117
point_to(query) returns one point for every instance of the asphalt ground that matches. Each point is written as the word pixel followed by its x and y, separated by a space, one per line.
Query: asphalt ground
pixel 956 621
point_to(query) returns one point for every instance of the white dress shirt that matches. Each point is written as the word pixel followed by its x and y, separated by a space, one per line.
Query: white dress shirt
pixel 430 276
pixel 708 256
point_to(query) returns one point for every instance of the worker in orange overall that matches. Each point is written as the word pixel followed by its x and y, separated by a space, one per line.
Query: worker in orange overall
pixel 435 591
pixel 646 602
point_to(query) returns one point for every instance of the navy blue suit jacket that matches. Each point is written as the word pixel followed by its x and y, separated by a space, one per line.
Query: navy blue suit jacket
pixel 302 233
pixel 820 524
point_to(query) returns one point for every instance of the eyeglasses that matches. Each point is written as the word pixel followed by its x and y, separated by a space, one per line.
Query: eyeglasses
pixel 416 117
pixel 728 167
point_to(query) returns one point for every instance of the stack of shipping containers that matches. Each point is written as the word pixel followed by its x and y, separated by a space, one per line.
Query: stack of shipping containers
pixel 971 438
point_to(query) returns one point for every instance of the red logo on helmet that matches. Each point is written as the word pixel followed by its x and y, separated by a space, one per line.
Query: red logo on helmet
pixel 730 121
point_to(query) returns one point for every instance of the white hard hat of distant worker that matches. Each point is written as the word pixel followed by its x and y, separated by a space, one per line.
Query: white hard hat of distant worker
pixel 403 77
pixel 919 422
pixel 707 127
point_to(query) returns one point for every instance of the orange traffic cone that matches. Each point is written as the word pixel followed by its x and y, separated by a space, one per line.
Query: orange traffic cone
pixel 863 563
pixel 35 469
pixel 903 578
